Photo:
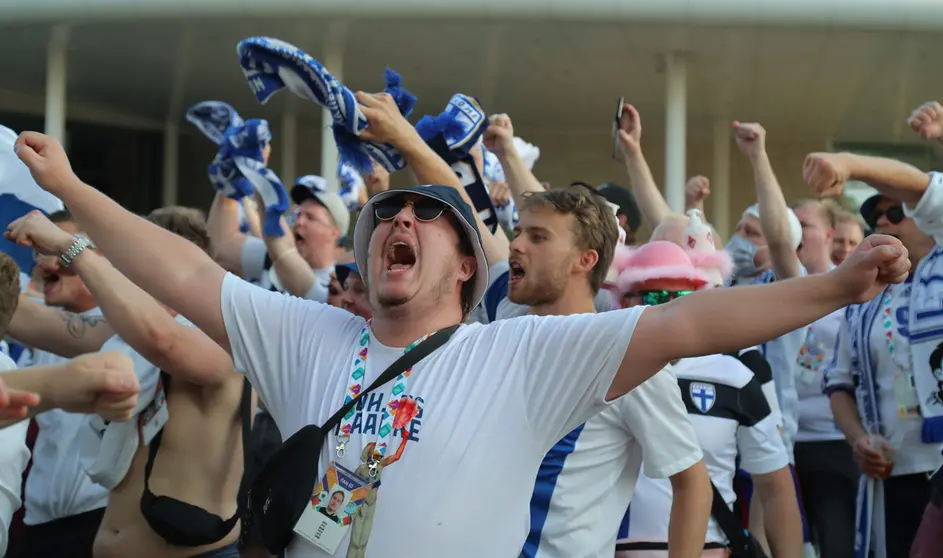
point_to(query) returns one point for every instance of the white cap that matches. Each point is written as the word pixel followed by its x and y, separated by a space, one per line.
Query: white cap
pixel 795 227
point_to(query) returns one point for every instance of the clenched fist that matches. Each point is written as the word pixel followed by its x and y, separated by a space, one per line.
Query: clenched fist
pixel 35 230
pixel 499 137
pixel 751 138
pixel 696 191
pixel 877 262
pixel 47 162
pixel 826 173
pixel 99 383
pixel 927 120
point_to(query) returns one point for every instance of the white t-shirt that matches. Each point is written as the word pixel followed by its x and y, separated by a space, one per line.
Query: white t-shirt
pixel 57 485
pixel 14 455
pixel 495 399
pixel 257 269
pixel 911 455
pixel 586 481
pixel 816 421
pixel 730 415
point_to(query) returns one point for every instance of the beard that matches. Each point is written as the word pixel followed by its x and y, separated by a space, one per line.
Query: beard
pixel 543 291
pixel 396 304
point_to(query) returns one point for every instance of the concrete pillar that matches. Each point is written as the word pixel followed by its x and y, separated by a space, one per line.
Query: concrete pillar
pixel 334 62
pixel 720 181
pixel 57 73
pixel 675 130
pixel 171 166
pixel 288 148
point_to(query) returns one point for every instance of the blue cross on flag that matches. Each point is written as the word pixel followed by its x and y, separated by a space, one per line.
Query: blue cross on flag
pixel 703 396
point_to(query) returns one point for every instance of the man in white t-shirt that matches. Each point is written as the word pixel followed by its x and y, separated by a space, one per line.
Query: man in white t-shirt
pixel 587 479
pixel 482 411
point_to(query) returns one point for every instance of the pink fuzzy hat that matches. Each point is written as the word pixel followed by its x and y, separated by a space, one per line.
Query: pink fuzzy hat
pixel 658 259
pixel 699 244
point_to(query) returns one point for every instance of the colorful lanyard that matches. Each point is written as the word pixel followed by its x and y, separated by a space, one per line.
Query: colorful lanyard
pixel 397 397
pixel 888 320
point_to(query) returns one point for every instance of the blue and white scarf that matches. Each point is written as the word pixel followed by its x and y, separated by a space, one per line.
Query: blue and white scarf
pixel 350 185
pixel 925 335
pixel 239 169
pixel 453 135
pixel 271 64
pixel 493 172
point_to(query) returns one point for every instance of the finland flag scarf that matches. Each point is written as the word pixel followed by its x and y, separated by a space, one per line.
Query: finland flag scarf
pixel 239 167
pixel 271 64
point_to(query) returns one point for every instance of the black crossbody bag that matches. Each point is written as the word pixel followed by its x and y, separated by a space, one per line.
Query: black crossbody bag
pixel 741 542
pixel 283 487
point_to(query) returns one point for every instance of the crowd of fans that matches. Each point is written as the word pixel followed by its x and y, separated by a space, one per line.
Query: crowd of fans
pixel 523 374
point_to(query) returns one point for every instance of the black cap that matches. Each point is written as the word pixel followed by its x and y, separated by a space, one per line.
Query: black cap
pixel 624 198
pixel 366 223
pixel 868 209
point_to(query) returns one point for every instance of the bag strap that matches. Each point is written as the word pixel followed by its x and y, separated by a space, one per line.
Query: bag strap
pixel 740 542
pixel 401 364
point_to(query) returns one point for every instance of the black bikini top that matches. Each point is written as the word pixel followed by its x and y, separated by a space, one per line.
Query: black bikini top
pixel 183 524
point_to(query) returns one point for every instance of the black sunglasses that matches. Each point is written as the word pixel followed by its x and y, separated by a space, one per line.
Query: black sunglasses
pixel 425 209
pixel 654 298
pixel 894 214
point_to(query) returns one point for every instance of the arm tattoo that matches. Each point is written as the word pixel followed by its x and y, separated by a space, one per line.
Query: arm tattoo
pixel 78 324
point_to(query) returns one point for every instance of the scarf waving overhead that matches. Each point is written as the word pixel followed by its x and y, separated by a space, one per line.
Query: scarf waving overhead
pixel 213 118
pixel 239 169
pixel 453 135
pixel 271 64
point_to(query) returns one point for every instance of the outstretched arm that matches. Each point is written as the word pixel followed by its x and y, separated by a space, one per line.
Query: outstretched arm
pixel 774 213
pixel 727 320
pixel 171 269
pixel 142 323
pixel 57 331
pixel 826 174
pixel 99 383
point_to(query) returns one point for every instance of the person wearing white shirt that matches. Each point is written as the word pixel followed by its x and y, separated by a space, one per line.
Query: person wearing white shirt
pixel 825 468
pixel 587 479
pixel 882 383
pixel 492 401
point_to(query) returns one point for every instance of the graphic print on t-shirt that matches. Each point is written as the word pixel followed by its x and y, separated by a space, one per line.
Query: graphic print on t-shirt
pixel 407 412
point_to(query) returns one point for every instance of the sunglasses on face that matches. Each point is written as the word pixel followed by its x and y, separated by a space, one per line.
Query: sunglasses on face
pixel 894 214
pixel 654 298
pixel 425 209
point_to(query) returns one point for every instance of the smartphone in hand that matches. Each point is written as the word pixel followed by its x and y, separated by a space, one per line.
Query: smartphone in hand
pixel 615 127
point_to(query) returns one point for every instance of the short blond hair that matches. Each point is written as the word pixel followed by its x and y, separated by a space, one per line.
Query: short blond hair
pixel 9 291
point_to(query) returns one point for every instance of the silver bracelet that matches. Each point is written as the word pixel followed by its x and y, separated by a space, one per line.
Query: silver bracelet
pixel 80 244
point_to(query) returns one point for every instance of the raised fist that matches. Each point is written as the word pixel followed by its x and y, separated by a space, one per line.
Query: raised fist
pixel 927 120
pixel 751 138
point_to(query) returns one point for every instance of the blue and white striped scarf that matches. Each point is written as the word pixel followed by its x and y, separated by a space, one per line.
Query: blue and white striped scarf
pixel 493 172
pixel 239 169
pixel 453 135
pixel 271 64
pixel 350 184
